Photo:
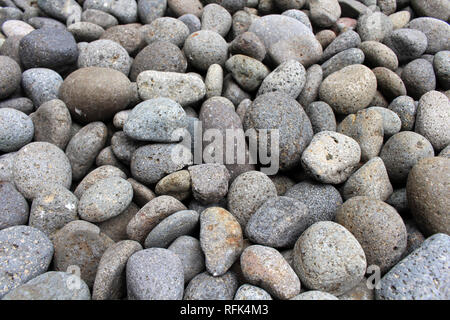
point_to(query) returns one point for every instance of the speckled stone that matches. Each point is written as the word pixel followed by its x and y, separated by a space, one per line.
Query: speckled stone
pixel 166 29
pixel 415 237
pixel 181 7
pixel 248 72
pixel 436 31
pixel 321 116
pixel 60 10
pixel 314 295
pixel 16 129
pixel 378 227
pixel 191 21
pixel 216 18
pixel 206 287
pixel 407 44
pixel 85 31
pixel 154 274
pixel 426 190
pixel 249 292
pixel 116 227
pixel 110 278
pixel 14 208
pixel 214 81
pixel 52 285
pixel 177 185
pixel 327 246
pixel 189 251
pixel 292 10
pixel 26 253
pixel 310 92
pixel 374 26
pixel 406 109
pixel 248 44
pixel 391 121
pixel 150 215
pixel 389 83
pixel 346 40
pixel 22 104
pixel 209 182
pixel 101 18
pixel 124 10
pixel 399 201
pixel 341 60
pixel 402 151
pixel 419 78
pixel 205 48
pixel 233 92
pixel 40 163
pixel 325 37
pixel 266 267
pixel 123 146
pixel 444 153
pixel 420 276
pixel 379 55
pixel 176 225
pixel 41 84
pixel 96 175
pixel 441 65
pixel 13 28
pixel 128 36
pixel 6 167
pixel 149 10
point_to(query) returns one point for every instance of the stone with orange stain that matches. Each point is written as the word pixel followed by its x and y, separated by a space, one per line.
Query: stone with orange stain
pixel 221 239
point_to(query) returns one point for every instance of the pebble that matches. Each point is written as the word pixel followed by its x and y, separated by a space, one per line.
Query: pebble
pixel 85 31
pixel 13 28
pixel 100 173
pixel 331 157
pixel 26 253
pixel 38 164
pixel 432 119
pixel 310 92
pixel 248 72
pixel 378 227
pixel 426 190
pixel 51 285
pixel 16 129
pixel 325 37
pixel 124 10
pixel 389 83
pixel 52 209
pixel 154 274
pixel 266 267
pixel 439 9
pixel 406 109
pixel 346 40
pixel 22 104
pixel 342 59
pixel 420 276
pixel 436 31
pixel 216 18
pixel 116 227
pixel 149 10
pixel 166 29
pixel 181 7
pixel 295 12
pixel 128 36
pixel 80 244
pixel 249 292
pixel 123 146
pixel 209 182
pixel 321 116
pixel 214 81
pixel 191 21
pixel 400 19
pixel 10 76
pixel 59 9
pixel 250 45
pixel 110 278
pixel 441 65
pixel 324 13
pixel 14 208
pixel 419 78
pixel 407 44
pixel 177 185
pixel 207 287
pixel 374 26
pixel 100 18
pixel 150 215
pixel 391 121
pixel 349 89
pixel 95 94
pixel 189 251
pixel 315 295
pixel 328 246
pixel 379 55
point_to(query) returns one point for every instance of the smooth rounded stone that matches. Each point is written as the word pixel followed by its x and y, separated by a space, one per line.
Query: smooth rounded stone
pixel 324 13
pixel 248 44
pixel 439 9
pixel 427 194
pixel 166 29
pixel 415 238
pixel 207 287
pixel 432 120
pixel 325 37
pixel 441 65
pixel 391 121
pixel 209 182
pixel 177 185
pixel 389 83
pixel 314 295
pixel 189 251
pixel 120 118
pixel 436 31
pixel 52 285
pixel 399 201
pixel 378 227
pixel 105 54
pixel 214 81
pixel 105 199
pixel 349 89
pixel 176 225
pixel 110 280
pixel 26 253
pixel 379 55
pixel 183 88
pixel 10 76
pixel 59 9
pixel 400 19
pixel 21 104
pixel 80 243
pixel 159 56
pixel 124 10
pixel 123 146
pixel 100 18
pixel 249 292
pixel 278 222
pixel 321 116
pixel 233 92
pixel 182 7
pixel 150 10
pixel 106 157
pixel 151 215
pixel 16 129
pixel 128 36
pixel 305 49
pixel 407 44
pixel 151 163
pixel 85 31
pixel 52 209
pixel 266 267
pixel 331 157
pixel 191 21
pixel 342 59
pixel 279 111
pixel 216 18
pixel 84 147
pixel 419 78
pixel 241 22
pixel 13 28
pixel 37 164
pixel 116 227
pixel 96 175
pixel 154 274
pixel 360 292
pixel 221 240
pixel 6 167
pixel 288 78
pixel 48 48
pixel 374 26
pixel 248 72
pixel 422 275
pixel 405 108
pixel 45 22
pixel 95 94
pixel 298 15
pixel 329 246
pixel 13 206
pixel 444 153
pixel 371 180
pixel 205 48
pixel 310 92
pixel 52 123
pixel 346 40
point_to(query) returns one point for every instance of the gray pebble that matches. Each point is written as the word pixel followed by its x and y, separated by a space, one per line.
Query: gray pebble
pixel 16 129
pixel 346 40
pixel 324 13
pixel 6 167
pixel 214 81
pixel 436 31
pixel 249 292
pixel 181 7
pixel 22 104
pixel 101 18
pixel 13 206
pixel 296 13
pixel 310 92
pixel 116 228
pixel 379 55
pixel 248 72
pixel 321 116
pixel 342 59
pixel 59 9
pixel 206 287
pixel 389 83
pixel 441 65
pixel 100 173
pixel 124 10
pixel 10 76
pixel 128 36
pixel 189 251
pixel 405 108
pixel 149 10
pixel 408 44
pixel 399 201
pixel 232 91
pixel 419 78
pixel 209 182
pixel 166 29
pixel 374 26
pixel 248 44
pixel 191 21
pixel 204 48
pixel 85 31
pixel 216 18
pixel 123 146
pixel 177 185
pixel 391 121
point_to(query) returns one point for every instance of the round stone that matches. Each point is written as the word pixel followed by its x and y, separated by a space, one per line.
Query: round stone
pixel 10 76
pixel 13 206
pixel 16 129
pixel 123 146
pixel 128 36
pixel 374 26
pixel 166 29
pixel 439 9
pixel 419 78
pixel 191 21
pixel 13 28
pixel 321 116
pixel 405 108
pixel 216 18
pixel 209 182
pixel 85 31
pixel 324 13
pixel 248 44
pixel 181 7
pixel 346 40
pixel 149 10
pixel 189 251
pixel 391 121
pixel 116 228
pixel 310 92
pixel 177 185
pixel 379 55
pixel 206 287
pixel 100 18
pixel 407 44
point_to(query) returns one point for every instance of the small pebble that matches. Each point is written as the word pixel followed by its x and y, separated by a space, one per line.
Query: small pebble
pixel 206 287
pixel 189 251
pixel 14 208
